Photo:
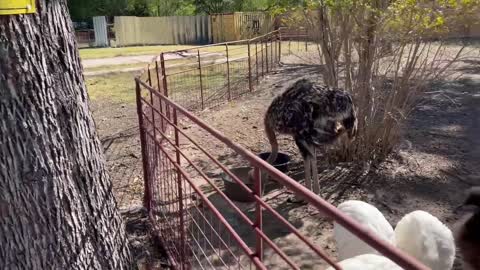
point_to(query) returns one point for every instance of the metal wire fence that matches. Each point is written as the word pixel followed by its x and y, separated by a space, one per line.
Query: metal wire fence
pixel 205 77
pixel 198 225
pixel 202 228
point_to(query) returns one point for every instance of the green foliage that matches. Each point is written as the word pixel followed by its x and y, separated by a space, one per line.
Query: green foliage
pixel 424 18
pixel 139 8
pixel 186 9
pixel 406 18
pixel 277 7
pixel 413 18
pixel 81 10
pixel 171 7
pixel 214 6
pixel 251 5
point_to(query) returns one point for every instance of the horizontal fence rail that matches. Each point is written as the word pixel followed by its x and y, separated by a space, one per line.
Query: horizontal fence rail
pixel 198 224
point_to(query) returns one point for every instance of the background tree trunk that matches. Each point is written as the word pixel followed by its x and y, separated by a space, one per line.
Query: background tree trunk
pixel 57 209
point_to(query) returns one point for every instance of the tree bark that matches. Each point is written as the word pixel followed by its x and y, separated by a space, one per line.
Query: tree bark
pixel 328 48
pixel 57 209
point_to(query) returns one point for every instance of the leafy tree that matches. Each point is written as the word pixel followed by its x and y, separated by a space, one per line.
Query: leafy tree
pixel 363 44
pixel 139 8
pixel 186 9
pixel 82 10
pixel 111 7
pixel 172 7
pixel 214 6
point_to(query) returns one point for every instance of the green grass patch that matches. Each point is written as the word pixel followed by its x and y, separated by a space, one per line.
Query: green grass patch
pixel 118 87
pixel 95 53
pixel 116 67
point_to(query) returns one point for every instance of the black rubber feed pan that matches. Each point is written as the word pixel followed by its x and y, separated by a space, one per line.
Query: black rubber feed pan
pixel 281 163
pixel 233 190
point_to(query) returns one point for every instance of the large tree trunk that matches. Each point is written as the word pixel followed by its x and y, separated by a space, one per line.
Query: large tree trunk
pixel 57 210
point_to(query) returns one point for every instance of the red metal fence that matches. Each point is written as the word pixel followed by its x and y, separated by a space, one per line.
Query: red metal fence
pixel 199 226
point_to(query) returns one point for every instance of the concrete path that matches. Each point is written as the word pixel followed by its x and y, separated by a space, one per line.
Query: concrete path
pixel 120 60
pixel 135 59
pixel 109 71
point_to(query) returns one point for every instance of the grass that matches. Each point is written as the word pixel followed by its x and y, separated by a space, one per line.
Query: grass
pixel 118 87
pixel 95 53
pixel 184 86
pixel 98 53
pixel 116 67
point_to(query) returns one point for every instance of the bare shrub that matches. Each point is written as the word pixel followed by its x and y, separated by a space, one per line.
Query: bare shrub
pixel 386 53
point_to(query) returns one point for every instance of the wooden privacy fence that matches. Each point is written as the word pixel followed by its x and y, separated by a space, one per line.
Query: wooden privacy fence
pixel 239 25
pixel 131 31
pixel 201 29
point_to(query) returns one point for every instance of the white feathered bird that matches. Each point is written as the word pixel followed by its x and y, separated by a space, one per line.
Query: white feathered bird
pixel 368 262
pixel 427 239
pixel 348 245
pixel 418 234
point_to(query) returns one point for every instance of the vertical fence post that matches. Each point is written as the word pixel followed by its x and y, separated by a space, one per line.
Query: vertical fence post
pixel 261 48
pixel 257 186
pixel 164 83
pixel 160 101
pixel 228 73
pixel 152 172
pixel 277 55
pixel 279 46
pixel 306 39
pixel 266 54
pixel 157 70
pixel 290 45
pixel 180 194
pixel 164 75
pixel 149 75
pixel 272 60
pixel 249 68
pixel 152 104
pixel 143 143
pixel 256 59
pixel 200 73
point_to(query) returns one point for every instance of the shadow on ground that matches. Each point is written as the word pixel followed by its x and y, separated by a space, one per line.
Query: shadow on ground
pixel 438 160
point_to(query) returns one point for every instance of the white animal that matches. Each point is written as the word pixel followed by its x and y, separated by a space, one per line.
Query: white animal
pixel 427 239
pixel 368 262
pixel 348 245
pixel 418 234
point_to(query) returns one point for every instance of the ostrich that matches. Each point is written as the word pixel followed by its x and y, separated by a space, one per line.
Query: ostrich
pixel 310 113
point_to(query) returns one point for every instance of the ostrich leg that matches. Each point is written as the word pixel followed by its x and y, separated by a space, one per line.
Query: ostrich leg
pixel 306 151
pixel 314 168
pixel 307 164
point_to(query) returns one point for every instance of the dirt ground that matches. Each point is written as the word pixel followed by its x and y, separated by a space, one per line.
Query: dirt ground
pixel 437 160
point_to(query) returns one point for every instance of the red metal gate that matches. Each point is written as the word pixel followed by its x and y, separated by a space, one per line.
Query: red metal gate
pixel 199 226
